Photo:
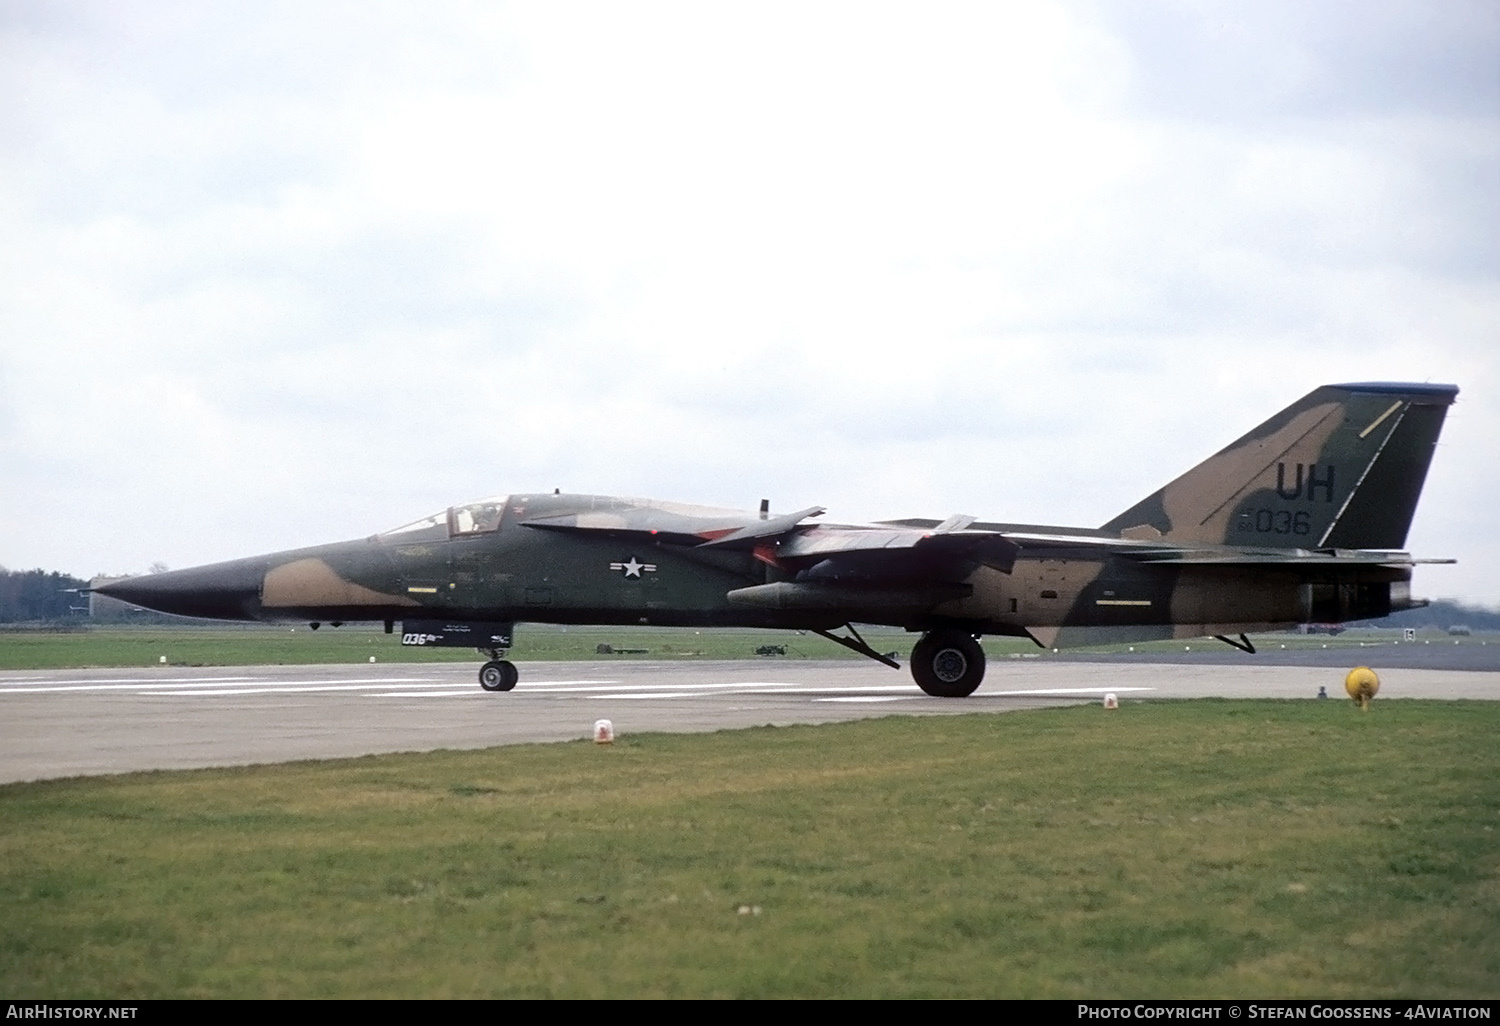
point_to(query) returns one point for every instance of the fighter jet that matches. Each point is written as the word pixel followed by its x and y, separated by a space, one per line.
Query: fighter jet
pixel 1302 520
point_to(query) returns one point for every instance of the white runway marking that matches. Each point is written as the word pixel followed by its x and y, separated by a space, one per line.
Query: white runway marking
pixel 615 691
pixel 223 692
pixel 652 694
pixel 647 691
pixel 6 686
pixel 1043 692
pixel 869 698
pixel 1032 693
pixel 437 687
pixel 614 685
pixel 218 685
pixel 213 687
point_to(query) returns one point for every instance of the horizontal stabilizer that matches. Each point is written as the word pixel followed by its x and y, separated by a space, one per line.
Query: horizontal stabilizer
pixel 1287 557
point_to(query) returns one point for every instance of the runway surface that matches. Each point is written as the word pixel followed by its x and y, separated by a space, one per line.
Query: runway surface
pixel 1441 654
pixel 56 723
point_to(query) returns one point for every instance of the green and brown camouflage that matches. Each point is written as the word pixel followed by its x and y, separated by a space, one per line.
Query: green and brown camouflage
pixel 1302 520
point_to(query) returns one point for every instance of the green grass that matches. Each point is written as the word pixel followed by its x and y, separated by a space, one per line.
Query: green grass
pixel 250 645
pixel 1206 848
pixel 261 645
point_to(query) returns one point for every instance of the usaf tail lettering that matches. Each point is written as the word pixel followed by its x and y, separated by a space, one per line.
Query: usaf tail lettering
pixel 1313 483
pixel 1302 520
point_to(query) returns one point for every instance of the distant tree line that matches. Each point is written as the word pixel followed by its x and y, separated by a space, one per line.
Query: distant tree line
pixel 40 595
pixel 1444 613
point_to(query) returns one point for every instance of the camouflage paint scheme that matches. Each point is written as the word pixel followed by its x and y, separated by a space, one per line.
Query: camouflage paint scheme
pixel 1301 520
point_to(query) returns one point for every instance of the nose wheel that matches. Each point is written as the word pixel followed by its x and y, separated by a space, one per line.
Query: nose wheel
pixel 498 675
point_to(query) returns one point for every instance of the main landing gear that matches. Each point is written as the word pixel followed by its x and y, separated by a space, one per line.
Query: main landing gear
pixel 945 663
pixel 497 674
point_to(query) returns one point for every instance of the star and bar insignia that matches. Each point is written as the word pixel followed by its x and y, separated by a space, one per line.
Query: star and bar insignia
pixel 634 567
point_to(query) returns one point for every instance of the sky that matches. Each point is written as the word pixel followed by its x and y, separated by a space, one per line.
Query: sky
pixel 275 274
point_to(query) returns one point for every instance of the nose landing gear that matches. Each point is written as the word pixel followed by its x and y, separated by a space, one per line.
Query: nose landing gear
pixel 488 638
pixel 498 674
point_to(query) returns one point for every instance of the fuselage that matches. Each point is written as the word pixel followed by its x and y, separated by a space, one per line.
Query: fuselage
pixel 555 559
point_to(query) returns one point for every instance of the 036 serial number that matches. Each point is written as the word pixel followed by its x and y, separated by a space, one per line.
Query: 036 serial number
pixel 1276 521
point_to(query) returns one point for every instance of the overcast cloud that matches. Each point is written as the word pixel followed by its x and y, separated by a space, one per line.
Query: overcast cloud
pixel 276 274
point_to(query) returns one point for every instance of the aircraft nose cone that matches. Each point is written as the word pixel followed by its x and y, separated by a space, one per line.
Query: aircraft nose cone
pixel 222 591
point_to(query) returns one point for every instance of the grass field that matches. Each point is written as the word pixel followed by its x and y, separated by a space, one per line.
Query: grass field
pixel 1166 849
pixel 262 645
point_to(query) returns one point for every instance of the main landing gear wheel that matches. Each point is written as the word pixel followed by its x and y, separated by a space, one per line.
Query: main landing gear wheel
pixel 947 664
pixel 498 675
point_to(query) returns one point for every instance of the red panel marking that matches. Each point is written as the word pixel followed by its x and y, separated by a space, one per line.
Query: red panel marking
pixel 767 554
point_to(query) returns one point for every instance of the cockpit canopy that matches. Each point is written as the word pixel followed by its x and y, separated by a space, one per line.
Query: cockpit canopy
pixel 472 518
pixel 477 517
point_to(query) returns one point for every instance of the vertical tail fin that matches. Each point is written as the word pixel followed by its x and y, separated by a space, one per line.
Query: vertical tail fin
pixel 1340 468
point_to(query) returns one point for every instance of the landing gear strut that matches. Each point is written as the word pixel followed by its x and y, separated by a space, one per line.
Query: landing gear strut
pixel 498 674
pixel 947 664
